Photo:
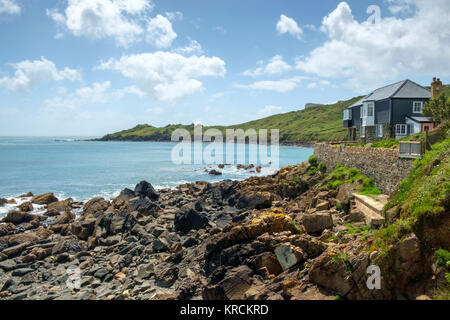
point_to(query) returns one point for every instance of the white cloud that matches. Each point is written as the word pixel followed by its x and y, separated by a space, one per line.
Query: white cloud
pixel 160 32
pixel 97 19
pixel 31 73
pixel 192 47
pixel 269 110
pixel 276 65
pixel 281 86
pixel 221 29
pixel 368 55
pixel 9 7
pixel 289 25
pixel 173 16
pixel 167 76
pixel 97 93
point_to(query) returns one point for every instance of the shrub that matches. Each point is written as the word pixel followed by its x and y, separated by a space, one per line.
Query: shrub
pixel 313 161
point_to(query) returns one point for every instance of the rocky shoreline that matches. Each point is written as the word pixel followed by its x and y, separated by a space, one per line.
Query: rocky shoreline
pixel 281 237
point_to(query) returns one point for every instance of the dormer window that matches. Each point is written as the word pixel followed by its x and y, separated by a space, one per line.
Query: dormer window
pixel 347 114
pixel 417 106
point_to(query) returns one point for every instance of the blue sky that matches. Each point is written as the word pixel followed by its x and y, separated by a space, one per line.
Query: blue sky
pixel 91 67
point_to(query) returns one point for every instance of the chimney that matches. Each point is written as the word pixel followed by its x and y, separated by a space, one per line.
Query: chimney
pixel 436 88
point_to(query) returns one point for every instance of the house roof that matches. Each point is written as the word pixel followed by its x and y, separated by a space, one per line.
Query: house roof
pixel 402 89
pixel 420 119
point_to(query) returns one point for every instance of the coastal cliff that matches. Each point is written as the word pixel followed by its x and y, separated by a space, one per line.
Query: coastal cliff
pixel 293 235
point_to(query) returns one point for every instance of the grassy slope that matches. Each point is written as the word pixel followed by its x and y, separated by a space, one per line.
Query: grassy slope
pixel 320 123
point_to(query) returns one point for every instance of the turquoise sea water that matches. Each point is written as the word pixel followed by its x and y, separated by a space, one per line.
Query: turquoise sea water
pixel 82 170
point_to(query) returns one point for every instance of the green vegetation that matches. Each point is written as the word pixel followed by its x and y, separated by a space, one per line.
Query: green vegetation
pixel 423 199
pixel 319 123
pixel 438 108
pixel 388 144
pixel 342 175
pixel 353 230
pixel 443 259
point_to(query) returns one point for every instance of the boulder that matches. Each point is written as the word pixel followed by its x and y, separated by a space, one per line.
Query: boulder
pixel 145 189
pixel 317 222
pixel 127 194
pixel 234 285
pixel 143 205
pixel 255 200
pixel 26 207
pixel 3 202
pixel 84 229
pixel 165 274
pixel 26 195
pixel 288 256
pixel 55 208
pixel 96 206
pixel 43 199
pixel 188 219
pixel 65 218
pixel 6 229
pixel 269 261
pixel 18 217
pixel 215 173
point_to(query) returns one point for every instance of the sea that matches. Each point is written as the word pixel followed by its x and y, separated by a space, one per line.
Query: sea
pixel 72 167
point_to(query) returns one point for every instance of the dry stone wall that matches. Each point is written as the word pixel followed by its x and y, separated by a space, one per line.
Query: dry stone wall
pixel 382 165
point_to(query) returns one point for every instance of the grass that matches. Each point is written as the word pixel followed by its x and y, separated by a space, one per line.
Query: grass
pixel 318 124
pixel 342 175
pixel 422 200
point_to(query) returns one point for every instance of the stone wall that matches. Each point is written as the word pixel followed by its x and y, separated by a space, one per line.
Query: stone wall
pixel 382 165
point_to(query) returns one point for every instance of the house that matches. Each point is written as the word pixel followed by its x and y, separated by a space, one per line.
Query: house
pixel 393 111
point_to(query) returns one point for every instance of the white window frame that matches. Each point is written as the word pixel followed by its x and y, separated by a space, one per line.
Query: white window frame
pixel 361 111
pixel 348 114
pixel 415 103
pixel 370 106
pixel 363 132
pixel 379 130
pixel 400 132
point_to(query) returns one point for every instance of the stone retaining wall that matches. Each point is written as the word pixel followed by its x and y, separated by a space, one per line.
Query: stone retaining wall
pixel 382 165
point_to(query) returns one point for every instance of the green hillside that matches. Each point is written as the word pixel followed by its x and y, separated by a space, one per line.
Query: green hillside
pixel 319 123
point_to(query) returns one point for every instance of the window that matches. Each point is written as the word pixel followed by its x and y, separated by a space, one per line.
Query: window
pixel 363 132
pixel 348 114
pixel 417 106
pixel 367 110
pixel 400 129
pixel 380 131
pixel 370 110
pixel 361 112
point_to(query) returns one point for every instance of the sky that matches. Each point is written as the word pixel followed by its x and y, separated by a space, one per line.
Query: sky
pixel 92 67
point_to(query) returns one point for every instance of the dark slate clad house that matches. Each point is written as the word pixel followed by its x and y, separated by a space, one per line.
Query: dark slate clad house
pixel 393 111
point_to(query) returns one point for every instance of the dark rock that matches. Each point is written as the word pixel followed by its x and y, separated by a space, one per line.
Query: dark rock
pixel 3 202
pixel 145 189
pixel 160 245
pixel 21 272
pixel 127 194
pixel 188 219
pixel 84 229
pixel 18 217
pixel 142 205
pixel 8 265
pixel 233 287
pixel 6 229
pixel 255 200
pixel 65 218
pixel 26 207
pixel 190 242
pixel 215 173
pixel 166 274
